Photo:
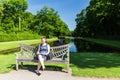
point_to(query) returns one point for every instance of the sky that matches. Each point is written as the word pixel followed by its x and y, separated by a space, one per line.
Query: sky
pixel 67 9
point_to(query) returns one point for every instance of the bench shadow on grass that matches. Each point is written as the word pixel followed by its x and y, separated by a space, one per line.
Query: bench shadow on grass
pixel 95 60
pixel 32 68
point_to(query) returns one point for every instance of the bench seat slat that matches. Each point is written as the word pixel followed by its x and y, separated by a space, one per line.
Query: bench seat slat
pixel 32 60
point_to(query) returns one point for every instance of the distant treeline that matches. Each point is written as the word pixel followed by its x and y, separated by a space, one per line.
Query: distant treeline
pixel 101 19
pixel 15 19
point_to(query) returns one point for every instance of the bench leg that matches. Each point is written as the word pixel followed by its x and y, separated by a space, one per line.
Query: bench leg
pixel 22 64
pixel 17 65
pixel 68 67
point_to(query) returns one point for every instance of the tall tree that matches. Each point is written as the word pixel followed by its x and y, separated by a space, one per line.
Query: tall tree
pixel 104 16
pixel 15 19
pixel 13 9
pixel 81 27
pixel 47 22
pixel 26 19
pixel 1 14
pixel 102 19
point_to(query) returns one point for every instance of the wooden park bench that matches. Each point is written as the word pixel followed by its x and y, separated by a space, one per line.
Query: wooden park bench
pixel 27 53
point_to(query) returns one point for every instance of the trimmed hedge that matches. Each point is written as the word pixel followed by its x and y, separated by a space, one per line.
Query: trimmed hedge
pixel 18 36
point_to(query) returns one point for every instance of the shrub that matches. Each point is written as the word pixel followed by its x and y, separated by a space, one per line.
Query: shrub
pixel 18 36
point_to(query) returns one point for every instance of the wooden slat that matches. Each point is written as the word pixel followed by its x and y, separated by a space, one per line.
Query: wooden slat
pixel 32 60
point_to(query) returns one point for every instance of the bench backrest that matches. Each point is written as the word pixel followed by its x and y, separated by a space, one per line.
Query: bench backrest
pixel 60 51
pixel 28 51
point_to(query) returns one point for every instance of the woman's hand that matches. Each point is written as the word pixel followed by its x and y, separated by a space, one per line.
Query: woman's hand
pixel 46 54
pixel 37 52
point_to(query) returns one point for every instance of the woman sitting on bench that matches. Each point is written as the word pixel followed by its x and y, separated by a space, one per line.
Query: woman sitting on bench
pixel 42 52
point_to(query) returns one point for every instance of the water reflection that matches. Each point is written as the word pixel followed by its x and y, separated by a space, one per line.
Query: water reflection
pixel 59 42
pixel 78 45
pixel 73 47
pixel 86 46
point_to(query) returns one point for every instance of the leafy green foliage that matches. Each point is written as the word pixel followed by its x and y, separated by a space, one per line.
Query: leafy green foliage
pixel 13 9
pixel 14 20
pixel 100 18
pixel 1 13
pixel 81 28
pixel 18 36
pixel 47 22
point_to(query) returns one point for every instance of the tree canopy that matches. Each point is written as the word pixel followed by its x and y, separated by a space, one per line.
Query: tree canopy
pixel 100 18
pixel 15 19
pixel 47 22
pixel 12 10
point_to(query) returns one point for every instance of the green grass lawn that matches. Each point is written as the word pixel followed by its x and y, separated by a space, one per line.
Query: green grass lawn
pixel 82 64
pixel 7 64
pixel 7 59
pixel 95 64
pixel 15 44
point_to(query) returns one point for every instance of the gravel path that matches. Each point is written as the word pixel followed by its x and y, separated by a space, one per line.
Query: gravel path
pixel 46 75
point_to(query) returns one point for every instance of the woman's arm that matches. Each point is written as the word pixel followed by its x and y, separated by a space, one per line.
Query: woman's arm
pixel 38 49
pixel 48 50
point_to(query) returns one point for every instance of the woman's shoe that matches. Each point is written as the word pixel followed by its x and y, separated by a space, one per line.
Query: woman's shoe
pixel 39 73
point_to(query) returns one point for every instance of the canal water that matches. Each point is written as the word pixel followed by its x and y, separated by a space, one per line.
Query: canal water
pixel 78 45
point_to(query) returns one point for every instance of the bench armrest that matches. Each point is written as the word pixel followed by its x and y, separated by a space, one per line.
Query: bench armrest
pixel 16 54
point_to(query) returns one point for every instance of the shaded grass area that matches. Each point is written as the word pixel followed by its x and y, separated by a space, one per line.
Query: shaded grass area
pixel 87 64
pixel 111 43
pixel 48 66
